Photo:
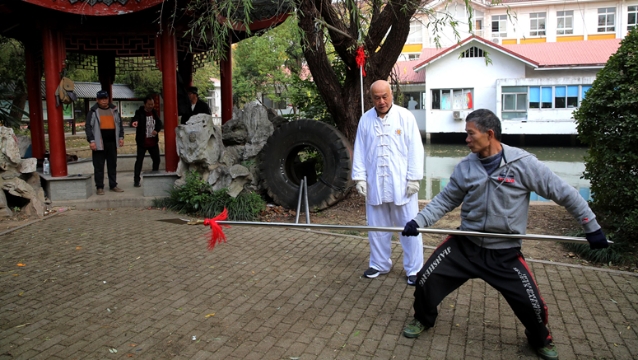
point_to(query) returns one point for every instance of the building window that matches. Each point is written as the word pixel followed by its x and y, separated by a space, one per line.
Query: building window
pixel 565 22
pixel 413 56
pixel 478 23
pixel 412 100
pixel 452 99
pixel 473 52
pixel 416 33
pixel 555 97
pixel 498 25
pixel 514 101
pixel 566 97
pixel 606 19
pixel 632 17
pixel 537 24
pixel 540 97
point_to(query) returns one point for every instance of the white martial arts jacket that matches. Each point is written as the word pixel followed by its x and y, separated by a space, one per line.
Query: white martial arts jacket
pixel 387 153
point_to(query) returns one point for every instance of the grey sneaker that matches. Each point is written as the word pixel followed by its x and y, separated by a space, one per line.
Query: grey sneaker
pixel 413 329
pixel 412 280
pixel 117 189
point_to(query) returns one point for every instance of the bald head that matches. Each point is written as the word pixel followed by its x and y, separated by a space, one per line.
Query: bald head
pixel 381 95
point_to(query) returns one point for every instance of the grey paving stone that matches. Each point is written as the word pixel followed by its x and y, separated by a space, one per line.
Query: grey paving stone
pixel 96 280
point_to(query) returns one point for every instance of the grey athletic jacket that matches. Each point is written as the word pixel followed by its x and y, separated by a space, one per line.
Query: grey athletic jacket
pixel 499 203
pixel 92 126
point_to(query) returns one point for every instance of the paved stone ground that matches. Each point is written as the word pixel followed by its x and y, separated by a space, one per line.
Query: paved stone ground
pixel 118 284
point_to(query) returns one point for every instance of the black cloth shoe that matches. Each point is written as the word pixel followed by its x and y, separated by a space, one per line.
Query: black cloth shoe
pixel 137 184
pixel 412 280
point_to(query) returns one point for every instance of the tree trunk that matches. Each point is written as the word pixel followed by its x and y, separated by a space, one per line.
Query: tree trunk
pixel 343 100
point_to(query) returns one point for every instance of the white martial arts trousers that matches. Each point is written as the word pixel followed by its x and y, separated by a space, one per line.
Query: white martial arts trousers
pixel 391 215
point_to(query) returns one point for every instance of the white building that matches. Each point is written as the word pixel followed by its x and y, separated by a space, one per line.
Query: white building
pixel 534 70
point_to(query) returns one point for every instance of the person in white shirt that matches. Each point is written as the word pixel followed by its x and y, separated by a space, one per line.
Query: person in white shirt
pixel 387 168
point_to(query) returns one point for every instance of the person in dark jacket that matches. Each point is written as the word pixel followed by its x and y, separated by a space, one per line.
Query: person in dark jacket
pixel 105 133
pixel 197 105
pixel 493 185
pixel 148 125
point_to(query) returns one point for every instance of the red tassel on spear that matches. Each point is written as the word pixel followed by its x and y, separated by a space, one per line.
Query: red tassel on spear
pixel 360 58
pixel 217 234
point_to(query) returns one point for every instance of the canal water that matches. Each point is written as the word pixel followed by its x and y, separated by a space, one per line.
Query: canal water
pixel 440 159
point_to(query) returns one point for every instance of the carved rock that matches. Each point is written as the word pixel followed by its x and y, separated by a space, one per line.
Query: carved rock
pixel 199 141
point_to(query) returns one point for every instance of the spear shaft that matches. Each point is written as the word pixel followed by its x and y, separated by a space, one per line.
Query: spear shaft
pixel 398 229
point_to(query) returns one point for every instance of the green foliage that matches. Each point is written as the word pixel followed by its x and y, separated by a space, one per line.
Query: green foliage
pixel 266 64
pixel 273 65
pixel 12 72
pixel 607 121
pixel 202 76
pixel 145 82
pixel 197 197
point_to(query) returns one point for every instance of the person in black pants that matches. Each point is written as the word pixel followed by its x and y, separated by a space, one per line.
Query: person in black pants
pixel 493 185
pixel 197 106
pixel 105 134
pixel 148 125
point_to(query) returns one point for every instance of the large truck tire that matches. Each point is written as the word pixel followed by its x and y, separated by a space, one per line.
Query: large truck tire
pixel 282 166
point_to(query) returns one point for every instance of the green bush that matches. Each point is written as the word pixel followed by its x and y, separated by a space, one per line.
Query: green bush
pixel 607 121
pixel 196 197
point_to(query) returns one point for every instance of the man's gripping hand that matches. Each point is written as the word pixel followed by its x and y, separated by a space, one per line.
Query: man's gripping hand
pixel 597 239
pixel 362 187
pixel 413 187
pixel 410 229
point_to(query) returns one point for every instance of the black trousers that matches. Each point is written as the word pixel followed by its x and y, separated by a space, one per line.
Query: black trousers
pixel 109 154
pixel 139 161
pixel 458 259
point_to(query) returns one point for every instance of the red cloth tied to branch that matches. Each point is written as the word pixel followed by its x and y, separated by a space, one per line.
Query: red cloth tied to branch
pixel 360 58
pixel 217 234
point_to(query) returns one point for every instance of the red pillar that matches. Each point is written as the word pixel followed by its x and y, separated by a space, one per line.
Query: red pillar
pixel 52 66
pixel 34 88
pixel 226 80
pixel 168 55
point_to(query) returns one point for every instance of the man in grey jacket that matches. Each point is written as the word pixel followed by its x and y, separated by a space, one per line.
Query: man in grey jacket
pixel 493 184
pixel 105 134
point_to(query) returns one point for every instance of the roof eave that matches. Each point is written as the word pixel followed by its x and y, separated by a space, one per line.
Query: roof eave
pixel 480 40
pixel 571 67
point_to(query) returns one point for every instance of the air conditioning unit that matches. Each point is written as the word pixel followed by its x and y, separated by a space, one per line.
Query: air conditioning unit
pixel 496 40
pixel 460 115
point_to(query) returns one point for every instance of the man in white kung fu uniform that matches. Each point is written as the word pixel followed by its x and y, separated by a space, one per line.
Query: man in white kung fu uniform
pixel 387 168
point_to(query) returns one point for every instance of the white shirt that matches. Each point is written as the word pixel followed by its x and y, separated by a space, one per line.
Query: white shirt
pixel 387 153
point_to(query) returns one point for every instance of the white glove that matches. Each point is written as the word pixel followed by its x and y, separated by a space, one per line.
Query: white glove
pixel 413 187
pixel 362 187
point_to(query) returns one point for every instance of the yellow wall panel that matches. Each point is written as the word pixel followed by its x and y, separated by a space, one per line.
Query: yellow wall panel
pixel 570 38
pixel 601 36
pixel 533 40
pixel 508 42
pixel 412 48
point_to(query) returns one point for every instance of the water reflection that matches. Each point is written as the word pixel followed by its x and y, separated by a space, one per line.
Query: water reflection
pixel 440 159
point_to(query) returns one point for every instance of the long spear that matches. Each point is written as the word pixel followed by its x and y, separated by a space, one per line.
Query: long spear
pixel 219 221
